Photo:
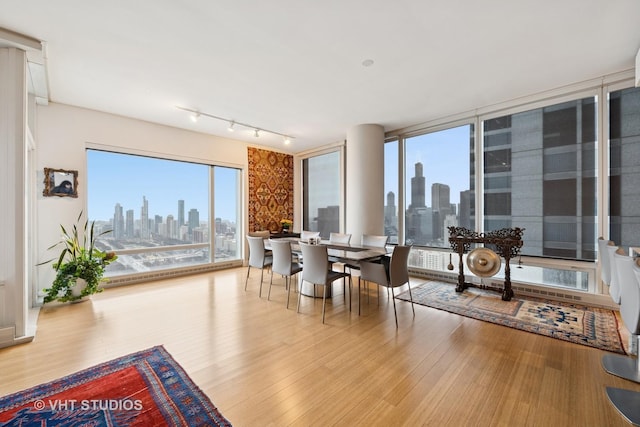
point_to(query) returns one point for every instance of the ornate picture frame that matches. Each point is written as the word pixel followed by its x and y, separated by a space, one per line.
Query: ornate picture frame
pixel 60 183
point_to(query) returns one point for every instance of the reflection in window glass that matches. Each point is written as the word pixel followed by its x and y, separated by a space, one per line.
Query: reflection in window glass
pixel 539 174
pixel 439 190
pixel 391 190
pixel 624 155
pixel 321 181
pixel 226 208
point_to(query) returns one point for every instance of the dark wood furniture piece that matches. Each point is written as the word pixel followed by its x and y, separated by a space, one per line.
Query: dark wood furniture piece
pixel 506 242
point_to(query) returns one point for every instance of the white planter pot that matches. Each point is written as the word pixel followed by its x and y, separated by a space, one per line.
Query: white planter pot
pixel 78 288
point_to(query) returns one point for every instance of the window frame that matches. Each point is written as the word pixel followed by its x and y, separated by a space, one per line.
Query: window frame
pixel 598 88
pixel 212 264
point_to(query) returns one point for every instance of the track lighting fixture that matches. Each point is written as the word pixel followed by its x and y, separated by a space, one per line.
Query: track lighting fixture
pixel 195 114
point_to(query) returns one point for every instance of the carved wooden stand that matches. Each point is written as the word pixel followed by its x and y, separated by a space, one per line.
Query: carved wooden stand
pixel 506 242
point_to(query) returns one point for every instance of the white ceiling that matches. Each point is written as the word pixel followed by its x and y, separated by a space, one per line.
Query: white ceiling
pixel 295 66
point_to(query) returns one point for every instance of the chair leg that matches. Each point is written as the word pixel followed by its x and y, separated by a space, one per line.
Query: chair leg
pixel 411 298
pixel 350 284
pixel 627 402
pixel 270 283
pixel 358 295
pixel 247 279
pixel 261 279
pixel 287 283
pixel 393 297
pixel 299 297
pixel 324 302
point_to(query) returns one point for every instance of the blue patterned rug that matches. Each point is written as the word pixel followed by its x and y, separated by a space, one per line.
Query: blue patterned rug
pixel 595 327
pixel 147 388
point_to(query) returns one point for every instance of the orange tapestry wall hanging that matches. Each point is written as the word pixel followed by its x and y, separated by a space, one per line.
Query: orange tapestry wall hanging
pixel 270 189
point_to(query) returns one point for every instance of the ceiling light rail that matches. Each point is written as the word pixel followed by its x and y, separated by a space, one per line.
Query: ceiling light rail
pixel 195 114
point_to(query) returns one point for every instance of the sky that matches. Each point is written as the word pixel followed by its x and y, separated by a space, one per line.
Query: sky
pixel 445 159
pixel 125 179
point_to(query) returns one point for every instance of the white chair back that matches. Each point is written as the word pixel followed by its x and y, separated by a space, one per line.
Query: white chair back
pixel 629 276
pixel 603 257
pixel 614 285
pixel 306 235
pixel 316 263
pixel 256 251
pixel 374 241
pixel 398 271
pixel 281 256
pixel 340 238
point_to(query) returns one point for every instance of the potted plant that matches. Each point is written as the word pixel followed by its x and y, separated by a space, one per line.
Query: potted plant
pixel 80 265
pixel 286 225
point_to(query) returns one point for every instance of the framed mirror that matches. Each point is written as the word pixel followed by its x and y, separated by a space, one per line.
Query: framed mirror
pixel 60 182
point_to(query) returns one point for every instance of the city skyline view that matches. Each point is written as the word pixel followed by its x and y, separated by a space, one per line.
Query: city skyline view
pixel 162 183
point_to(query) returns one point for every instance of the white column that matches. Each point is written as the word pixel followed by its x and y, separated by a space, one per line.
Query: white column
pixel 13 163
pixel 364 176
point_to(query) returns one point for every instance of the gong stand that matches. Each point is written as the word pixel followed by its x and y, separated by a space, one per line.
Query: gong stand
pixel 507 243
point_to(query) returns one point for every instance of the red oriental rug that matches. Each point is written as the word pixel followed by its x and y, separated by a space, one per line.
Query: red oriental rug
pixel 147 388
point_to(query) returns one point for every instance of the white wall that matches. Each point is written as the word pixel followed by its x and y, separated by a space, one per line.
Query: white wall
pixel 64 132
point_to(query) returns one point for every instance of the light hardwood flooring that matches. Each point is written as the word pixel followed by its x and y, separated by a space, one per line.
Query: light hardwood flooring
pixel 264 365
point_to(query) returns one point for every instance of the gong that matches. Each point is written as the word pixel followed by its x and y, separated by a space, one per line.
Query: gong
pixel 483 262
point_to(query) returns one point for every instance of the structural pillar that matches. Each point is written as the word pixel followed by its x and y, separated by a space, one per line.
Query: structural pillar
pixel 364 175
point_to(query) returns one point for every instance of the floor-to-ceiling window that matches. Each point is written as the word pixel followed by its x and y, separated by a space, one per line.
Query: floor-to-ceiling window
pixel 540 174
pixel 321 185
pixel 539 170
pixel 439 191
pixel 391 190
pixel 159 211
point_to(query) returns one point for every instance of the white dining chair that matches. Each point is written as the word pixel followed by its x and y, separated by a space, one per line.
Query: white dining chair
pixel 374 241
pixel 258 258
pixel 339 238
pixel 629 277
pixel 283 264
pixel 603 257
pixel 627 402
pixel 305 235
pixel 368 240
pixel 614 285
pixel 315 270
pixel 395 276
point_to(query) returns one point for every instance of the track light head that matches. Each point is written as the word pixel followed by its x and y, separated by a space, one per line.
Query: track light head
pixel 195 115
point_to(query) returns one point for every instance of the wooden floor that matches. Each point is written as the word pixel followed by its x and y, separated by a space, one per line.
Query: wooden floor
pixel 264 365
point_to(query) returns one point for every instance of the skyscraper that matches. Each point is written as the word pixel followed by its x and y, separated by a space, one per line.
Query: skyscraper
pixel 129 224
pixel 118 222
pixel 194 220
pixel 181 213
pixel 144 219
pixel 418 188
pixel 441 207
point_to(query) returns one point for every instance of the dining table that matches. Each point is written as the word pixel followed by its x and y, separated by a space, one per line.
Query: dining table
pixel 345 253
